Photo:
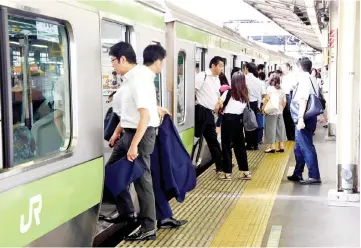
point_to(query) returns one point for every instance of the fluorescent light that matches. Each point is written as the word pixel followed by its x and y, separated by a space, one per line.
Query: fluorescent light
pixel 14 42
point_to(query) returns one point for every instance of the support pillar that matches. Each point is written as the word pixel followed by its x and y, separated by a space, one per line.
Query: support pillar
pixel 331 78
pixel 348 105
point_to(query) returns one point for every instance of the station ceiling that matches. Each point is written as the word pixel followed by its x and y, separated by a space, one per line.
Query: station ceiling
pixel 291 15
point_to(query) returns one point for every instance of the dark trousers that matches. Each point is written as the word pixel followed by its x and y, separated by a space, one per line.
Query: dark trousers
pixel 232 133
pixel 205 125
pixel 252 136
pixel 305 151
pixel 143 185
pixel 289 125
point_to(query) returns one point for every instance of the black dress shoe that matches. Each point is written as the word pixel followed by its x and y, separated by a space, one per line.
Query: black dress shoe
pixel 311 181
pixel 170 223
pixel 141 235
pixel 122 218
pixel 293 178
pixel 280 150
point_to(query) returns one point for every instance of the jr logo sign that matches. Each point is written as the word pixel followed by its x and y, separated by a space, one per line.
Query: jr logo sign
pixel 35 204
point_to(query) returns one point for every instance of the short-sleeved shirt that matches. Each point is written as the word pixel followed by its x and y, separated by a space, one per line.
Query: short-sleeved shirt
pixel 280 95
pixel 304 87
pixel 233 106
pixel 207 89
pixel 137 91
pixel 255 88
pixel 288 82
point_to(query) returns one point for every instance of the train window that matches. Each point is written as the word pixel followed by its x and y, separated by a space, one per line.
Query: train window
pixel 203 59
pixel 111 33
pixel 40 88
pixel 181 87
pixel 200 58
pixel 158 82
pixel 234 62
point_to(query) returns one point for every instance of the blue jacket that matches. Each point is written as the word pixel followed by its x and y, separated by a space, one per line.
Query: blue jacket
pixel 120 174
pixel 171 165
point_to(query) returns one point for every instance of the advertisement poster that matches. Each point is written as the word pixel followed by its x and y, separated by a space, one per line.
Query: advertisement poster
pixel 110 81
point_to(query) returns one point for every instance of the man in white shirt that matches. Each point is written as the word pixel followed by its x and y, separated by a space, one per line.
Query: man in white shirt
pixel 288 83
pixel 208 102
pixel 305 152
pixel 138 112
pixel 255 93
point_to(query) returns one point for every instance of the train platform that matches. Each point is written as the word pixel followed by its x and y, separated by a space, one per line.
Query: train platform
pixel 267 211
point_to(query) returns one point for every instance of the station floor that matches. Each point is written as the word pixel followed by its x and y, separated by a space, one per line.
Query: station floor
pixel 267 211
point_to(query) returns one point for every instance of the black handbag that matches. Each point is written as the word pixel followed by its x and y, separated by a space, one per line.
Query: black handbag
pixel 110 124
pixel 313 108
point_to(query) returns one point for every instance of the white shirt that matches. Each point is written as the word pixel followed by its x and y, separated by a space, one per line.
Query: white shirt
pixel 255 89
pixel 233 106
pixel 280 95
pixel 138 91
pixel 288 82
pixel 304 88
pixel 207 89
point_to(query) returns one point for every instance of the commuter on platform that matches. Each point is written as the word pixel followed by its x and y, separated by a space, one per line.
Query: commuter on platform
pixel 275 134
pixel 139 118
pixel 260 68
pixel 305 151
pixel 208 103
pixel 255 92
pixel 234 70
pixel 288 83
pixel 235 101
pixel 260 117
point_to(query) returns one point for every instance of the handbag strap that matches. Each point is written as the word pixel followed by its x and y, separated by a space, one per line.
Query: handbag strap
pixel 313 87
pixel 228 97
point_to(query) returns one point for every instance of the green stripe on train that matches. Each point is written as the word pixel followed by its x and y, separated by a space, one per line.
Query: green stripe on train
pixel 187 137
pixel 131 10
pixel 55 199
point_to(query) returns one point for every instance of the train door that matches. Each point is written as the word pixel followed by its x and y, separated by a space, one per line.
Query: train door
pixel 49 191
pixel 199 145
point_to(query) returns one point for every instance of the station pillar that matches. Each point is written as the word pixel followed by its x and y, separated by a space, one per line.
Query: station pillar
pixel 348 104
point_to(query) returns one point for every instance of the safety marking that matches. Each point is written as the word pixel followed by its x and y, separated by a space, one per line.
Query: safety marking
pixel 205 208
pixel 246 224
pixel 274 236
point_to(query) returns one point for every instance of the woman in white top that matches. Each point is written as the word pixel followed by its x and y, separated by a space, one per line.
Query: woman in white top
pixel 275 102
pixel 235 101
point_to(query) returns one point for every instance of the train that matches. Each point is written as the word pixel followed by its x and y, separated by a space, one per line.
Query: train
pixel 54 64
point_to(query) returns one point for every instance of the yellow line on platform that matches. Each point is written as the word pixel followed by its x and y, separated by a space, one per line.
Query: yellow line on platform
pixel 246 224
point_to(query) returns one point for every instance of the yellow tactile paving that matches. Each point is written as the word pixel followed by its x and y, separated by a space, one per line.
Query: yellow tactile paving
pixel 214 205
pixel 246 224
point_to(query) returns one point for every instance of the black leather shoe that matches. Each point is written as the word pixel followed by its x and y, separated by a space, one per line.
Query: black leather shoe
pixel 140 235
pixel 170 223
pixel 122 218
pixel 293 178
pixel 310 181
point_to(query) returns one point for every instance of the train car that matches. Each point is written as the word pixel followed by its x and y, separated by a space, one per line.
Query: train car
pixel 54 82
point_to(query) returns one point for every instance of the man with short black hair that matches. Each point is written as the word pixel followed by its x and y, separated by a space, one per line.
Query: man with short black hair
pixel 208 103
pixel 255 93
pixel 136 105
pixel 305 151
pixel 260 68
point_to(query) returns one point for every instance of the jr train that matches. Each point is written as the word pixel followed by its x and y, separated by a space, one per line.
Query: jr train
pixel 54 69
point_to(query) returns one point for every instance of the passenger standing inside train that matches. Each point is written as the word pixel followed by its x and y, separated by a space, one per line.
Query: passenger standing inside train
pixel 232 128
pixel 255 92
pixel 288 83
pixel 138 114
pixel 208 103
pixel 305 151
pixel 275 134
